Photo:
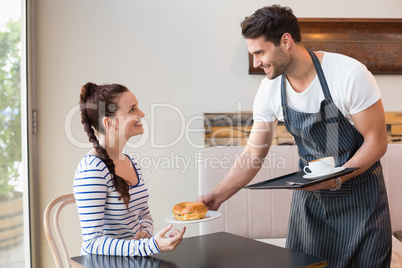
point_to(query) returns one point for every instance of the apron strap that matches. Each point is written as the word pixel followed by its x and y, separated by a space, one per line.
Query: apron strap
pixel 321 78
pixel 283 92
pixel 320 74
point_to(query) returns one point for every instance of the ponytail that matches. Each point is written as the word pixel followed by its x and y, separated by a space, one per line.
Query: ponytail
pixel 90 97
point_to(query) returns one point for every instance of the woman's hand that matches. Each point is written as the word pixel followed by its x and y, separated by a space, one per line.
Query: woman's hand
pixel 169 244
pixel 140 235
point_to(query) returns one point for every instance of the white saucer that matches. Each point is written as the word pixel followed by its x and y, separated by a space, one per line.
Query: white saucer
pixel 211 215
pixel 315 176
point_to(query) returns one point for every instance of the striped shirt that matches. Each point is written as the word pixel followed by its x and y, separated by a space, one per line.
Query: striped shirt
pixel 108 228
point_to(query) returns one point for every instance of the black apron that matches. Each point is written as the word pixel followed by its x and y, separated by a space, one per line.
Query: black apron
pixel 350 227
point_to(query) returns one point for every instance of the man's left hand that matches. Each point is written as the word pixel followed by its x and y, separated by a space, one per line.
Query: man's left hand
pixel 325 185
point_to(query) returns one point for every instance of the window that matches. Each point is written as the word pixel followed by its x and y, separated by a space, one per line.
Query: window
pixel 14 212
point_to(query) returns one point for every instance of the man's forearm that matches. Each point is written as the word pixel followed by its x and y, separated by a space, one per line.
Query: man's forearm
pixel 244 169
pixel 370 152
pixel 371 124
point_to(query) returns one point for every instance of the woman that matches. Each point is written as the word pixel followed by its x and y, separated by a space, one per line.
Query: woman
pixel 109 188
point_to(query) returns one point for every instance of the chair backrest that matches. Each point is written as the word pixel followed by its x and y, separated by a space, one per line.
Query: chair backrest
pixel 58 204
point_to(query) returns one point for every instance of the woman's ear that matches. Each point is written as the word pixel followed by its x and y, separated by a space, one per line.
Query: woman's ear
pixel 108 123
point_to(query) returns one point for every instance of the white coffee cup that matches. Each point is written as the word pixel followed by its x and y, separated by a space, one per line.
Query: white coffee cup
pixel 320 166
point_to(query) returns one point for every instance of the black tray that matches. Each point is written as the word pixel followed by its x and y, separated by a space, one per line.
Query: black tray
pixel 280 182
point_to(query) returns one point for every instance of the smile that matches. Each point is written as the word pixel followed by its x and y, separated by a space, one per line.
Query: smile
pixel 265 68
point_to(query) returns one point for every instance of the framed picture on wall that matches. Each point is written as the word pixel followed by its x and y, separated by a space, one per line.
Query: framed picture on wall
pixel 374 42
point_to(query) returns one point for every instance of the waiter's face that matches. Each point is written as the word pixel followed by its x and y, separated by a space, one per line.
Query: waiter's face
pixel 272 59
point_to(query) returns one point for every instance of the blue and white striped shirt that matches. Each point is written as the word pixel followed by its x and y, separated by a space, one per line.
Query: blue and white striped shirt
pixel 108 228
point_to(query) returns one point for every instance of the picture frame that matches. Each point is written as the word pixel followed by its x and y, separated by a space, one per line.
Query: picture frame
pixel 374 42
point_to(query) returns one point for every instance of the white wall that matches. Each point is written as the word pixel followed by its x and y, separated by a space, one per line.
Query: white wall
pixel 188 54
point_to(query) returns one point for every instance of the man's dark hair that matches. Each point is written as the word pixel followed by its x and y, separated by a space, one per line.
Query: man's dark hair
pixel 271 22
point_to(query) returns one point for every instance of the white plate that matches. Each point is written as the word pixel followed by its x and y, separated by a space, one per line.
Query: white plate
pixel 314 176
pixel 211 215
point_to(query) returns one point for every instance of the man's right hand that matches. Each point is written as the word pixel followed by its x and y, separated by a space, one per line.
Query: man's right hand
pixel 210 200
pixel 246 166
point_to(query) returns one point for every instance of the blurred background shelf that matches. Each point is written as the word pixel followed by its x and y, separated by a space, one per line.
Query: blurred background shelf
pixel 233 129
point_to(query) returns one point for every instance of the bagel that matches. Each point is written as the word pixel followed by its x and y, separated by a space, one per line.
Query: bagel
pixel 187 211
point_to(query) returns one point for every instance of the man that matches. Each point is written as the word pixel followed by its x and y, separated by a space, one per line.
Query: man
pixel 332 106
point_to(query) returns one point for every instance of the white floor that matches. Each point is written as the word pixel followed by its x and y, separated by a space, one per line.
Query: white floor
pixel 13 258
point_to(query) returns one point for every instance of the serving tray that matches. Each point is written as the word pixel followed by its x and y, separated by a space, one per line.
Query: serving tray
pixel 297 177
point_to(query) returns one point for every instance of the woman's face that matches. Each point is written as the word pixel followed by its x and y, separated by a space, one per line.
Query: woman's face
pixel 128 116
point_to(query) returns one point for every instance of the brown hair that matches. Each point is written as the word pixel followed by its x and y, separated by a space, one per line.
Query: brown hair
pixel 97 102
pixel 271 22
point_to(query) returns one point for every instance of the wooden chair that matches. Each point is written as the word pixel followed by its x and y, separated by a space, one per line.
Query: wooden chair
pixel 58 203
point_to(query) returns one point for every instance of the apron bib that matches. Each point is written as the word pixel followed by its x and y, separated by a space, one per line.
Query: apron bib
pixel 349 227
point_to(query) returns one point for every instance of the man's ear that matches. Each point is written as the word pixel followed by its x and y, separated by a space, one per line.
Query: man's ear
pixel 286 41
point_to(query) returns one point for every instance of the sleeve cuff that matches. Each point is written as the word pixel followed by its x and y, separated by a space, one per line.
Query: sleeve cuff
pixel 368 104
pixel 154 247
